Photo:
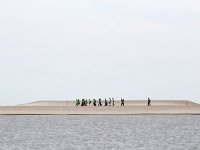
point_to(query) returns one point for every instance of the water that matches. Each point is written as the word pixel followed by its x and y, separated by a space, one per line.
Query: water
pixel 100 132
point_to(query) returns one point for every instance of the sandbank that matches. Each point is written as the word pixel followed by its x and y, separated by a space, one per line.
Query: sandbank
pixel 132 107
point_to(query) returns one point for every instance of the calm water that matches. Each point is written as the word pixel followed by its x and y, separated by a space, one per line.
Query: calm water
pixel 100 132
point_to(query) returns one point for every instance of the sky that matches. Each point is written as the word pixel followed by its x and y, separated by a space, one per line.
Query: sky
pixel 68 49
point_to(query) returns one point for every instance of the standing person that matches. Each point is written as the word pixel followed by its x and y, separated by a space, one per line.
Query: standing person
pixel 122 102
pixel 99 104
pixel 94 102
pixel 86 102
pixel 109 101
pixel 106 102
pixel 82 102
pixel 149 102
pixel 77 102
pixel 113 102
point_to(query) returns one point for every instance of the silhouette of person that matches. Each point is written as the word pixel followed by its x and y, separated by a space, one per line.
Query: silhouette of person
pixel 110 101
pixel 94 102
pixel 89 101
pixel 122 102
pixel 82 102
pixel 77 102
pixel 113 101
pixel 106 102
pixel 99 102
pixel 149 102
pixel 86 102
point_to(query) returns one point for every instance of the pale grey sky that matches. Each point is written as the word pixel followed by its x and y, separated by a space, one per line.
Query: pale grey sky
pixel 67 49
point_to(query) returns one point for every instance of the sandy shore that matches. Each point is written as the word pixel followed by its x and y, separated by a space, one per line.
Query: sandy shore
pixel 130 108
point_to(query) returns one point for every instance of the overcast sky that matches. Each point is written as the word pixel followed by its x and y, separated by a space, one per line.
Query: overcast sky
pixel 68 49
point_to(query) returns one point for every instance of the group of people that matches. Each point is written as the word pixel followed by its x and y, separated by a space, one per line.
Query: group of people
pixel 110 102
pixel 86 102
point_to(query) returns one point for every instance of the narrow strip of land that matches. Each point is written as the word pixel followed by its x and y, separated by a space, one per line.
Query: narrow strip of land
pixel 132 107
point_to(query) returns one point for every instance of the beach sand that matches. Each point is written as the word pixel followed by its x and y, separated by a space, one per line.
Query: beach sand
pixel 132 107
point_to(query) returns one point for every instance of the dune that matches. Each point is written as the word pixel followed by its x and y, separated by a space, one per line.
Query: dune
pixel 132 107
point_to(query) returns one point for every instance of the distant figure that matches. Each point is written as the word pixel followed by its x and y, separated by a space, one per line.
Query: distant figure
pixel 82 102
pixel 106 102
pixel 94 102
pixel 113 102
pixel 77 102
pixel 86 102
pixel 99 104
pixel 122 102
pixel 149 102
pixel 110 101
pixel 90 101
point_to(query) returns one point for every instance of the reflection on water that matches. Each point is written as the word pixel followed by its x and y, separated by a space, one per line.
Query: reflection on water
pixel 100 132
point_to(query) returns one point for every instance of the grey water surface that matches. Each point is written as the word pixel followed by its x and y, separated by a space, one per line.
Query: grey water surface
pixel 81 132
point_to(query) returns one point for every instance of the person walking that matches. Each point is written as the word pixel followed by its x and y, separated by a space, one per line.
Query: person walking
pixel 149 102
pixel 94 102
pixel 122 102
pixel 99 104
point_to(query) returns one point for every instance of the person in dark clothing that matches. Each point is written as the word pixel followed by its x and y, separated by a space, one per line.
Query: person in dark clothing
pixel 86 102
pixel 122 102
pixel 99 104
pixel 83 102
pixel 94 102
pixel 77 102
pixel 106 102
pixel 149 102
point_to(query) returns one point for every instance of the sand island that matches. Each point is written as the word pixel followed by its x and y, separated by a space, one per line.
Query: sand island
pixel 132 107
